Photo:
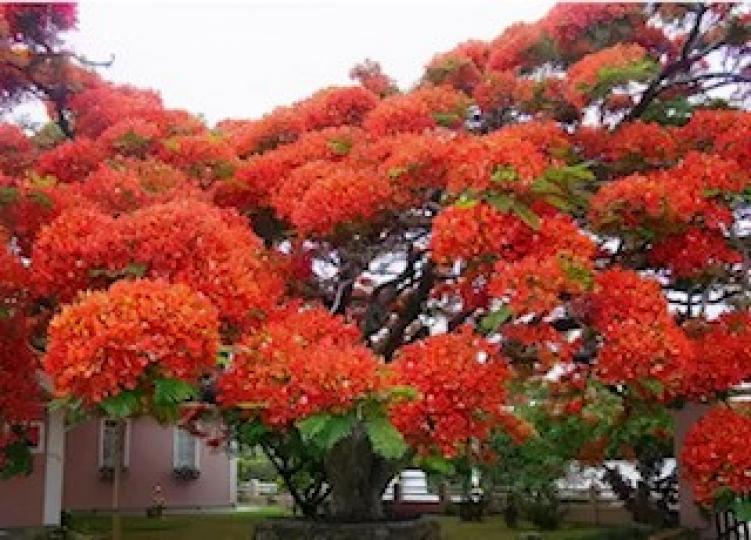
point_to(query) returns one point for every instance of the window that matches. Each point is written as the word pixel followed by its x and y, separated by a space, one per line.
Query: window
pixel 33 432
pixel 35 435
pixel 186 450
pixel 108 438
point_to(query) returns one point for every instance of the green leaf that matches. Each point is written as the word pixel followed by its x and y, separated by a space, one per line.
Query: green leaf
pixel 41 198
pixel 545 186
pixel 492 321
pixel 385 438
pixel 402 392
pixel 526 214
pixel 560 203
pixel 396 172
pixel 137 270
pixel 75 412
pixel 252 433
pixel 223 170
pixel 500 201
pixel 446 119
pixel 576 272
pixel 8 195
pixel 571 173
pixel 437 464
pixel 340 147
pixel 742 510
pixel 172 392
pixel 724 499
pixel 123 405
pixel 466 200
pixel 653 385
pixel 312 426
pixel 503 175
pixel 18 460
pixel 325 430
pixel 609 77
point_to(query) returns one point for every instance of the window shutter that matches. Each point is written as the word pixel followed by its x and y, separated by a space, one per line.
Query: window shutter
pixel 186 449
pixel 109 439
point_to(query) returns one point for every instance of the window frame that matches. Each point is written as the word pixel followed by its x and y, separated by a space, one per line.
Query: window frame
pixel 178 432
pixel 126 442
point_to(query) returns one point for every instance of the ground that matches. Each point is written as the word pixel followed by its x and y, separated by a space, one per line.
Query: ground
pixel 238 526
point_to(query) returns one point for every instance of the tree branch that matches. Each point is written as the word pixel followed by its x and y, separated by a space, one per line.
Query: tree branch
pixel 413 309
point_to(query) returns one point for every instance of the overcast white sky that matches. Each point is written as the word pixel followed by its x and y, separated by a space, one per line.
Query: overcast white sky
pixel 241 59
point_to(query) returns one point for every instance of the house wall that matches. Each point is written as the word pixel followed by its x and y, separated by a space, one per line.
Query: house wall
pixel 690 514
pixel 150 462
pixel 22 498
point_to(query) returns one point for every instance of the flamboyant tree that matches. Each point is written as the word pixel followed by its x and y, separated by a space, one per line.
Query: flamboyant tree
pixel 364 279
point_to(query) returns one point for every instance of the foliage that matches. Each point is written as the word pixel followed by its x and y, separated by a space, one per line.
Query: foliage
pixel 714 461
pixel 562 205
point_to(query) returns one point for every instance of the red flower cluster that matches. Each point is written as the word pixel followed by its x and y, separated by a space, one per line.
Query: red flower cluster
pixel 411 162
pixel 578 30
pixel 658 202
pixel 547 344
pixel 20 396
pixel 112 340
pixel 104 105
pixel 497 90
pixel 514 48
pixel 707 125
pixel 500 161
pixel 132 185
pixel 207 158
pixel 733 144
pixel 304 362
pixel 31 204
pixel 667 202
pixel 261 176
pixel 716 456
pixel 331 107
pixel 707 174
pixel 71 161
pixel 694 253
pixel 277 128
pixel 115 192
pixel 456 70
pixel 370 76
pixel 336 106
pixel 584 76
pixel 636 144
pixel 476 231
pixel 16 150
pixel 537 284
pixel 130 137
pixel 321 195
pixel 722 358
pixel 184 242
pixel 461 380
pixel 425 108
pixel 481 231
pixel 546 136
pixel 641 340
pixel 38 21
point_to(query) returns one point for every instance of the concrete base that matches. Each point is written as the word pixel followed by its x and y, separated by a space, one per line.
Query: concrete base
pixel 300 529
pixel 690 514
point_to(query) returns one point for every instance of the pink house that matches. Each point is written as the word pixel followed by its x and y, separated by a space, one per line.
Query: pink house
pixel 72 471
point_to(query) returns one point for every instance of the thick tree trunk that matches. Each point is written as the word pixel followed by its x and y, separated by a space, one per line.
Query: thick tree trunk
pixel 358 478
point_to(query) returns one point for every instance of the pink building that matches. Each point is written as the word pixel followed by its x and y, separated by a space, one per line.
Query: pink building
pixel 73 471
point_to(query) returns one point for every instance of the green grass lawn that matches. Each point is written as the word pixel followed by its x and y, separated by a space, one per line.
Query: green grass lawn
pixel 239 526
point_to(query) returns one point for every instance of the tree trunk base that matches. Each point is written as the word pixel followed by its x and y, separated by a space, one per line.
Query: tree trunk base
pixel 299 529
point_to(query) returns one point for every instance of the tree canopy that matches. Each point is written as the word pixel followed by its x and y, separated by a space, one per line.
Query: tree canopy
pixel 373 276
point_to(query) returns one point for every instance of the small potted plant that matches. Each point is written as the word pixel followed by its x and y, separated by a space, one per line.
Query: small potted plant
pixel 186 472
